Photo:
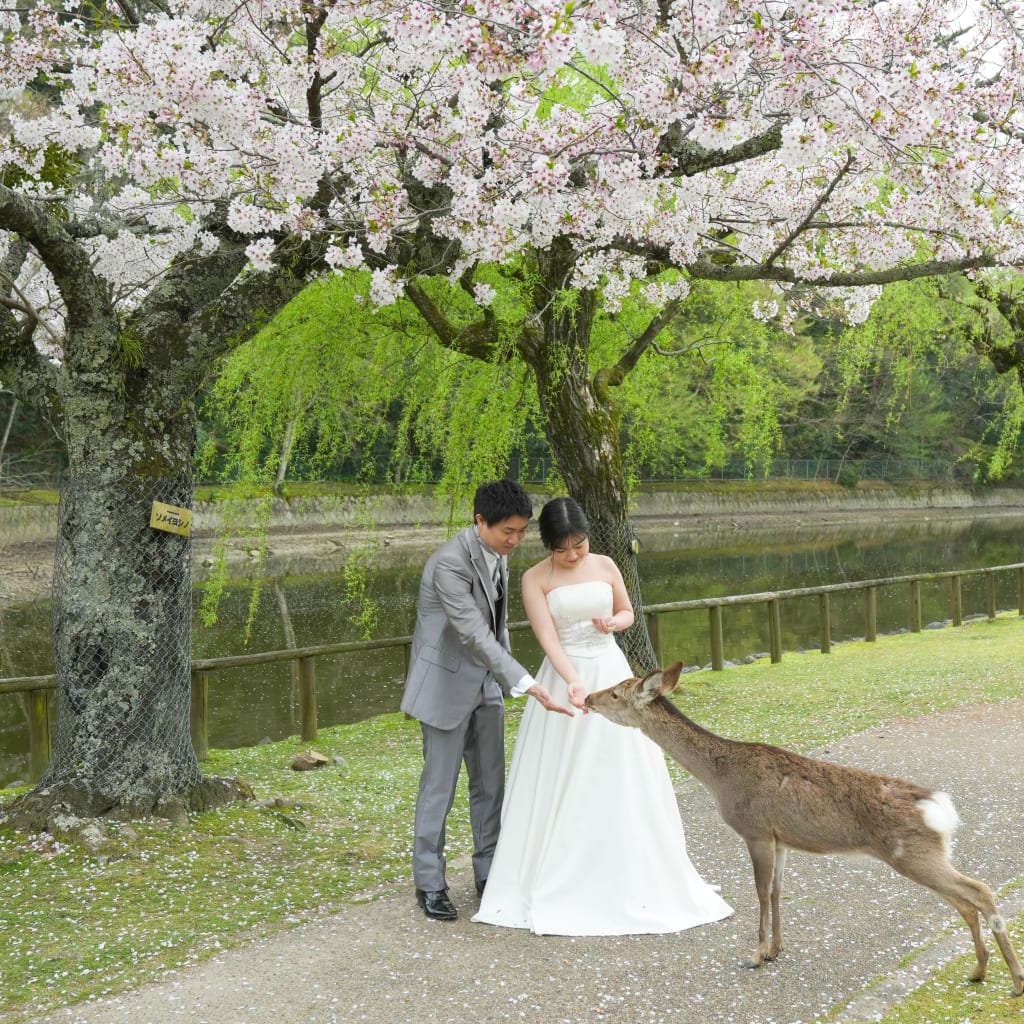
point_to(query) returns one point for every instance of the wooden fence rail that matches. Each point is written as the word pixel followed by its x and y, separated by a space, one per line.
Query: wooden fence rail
pixel 34 688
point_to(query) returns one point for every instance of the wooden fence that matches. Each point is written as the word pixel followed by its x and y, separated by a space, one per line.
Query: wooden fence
pixel 35 688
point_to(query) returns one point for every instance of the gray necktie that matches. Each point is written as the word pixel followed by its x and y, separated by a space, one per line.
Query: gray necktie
pixel 496 580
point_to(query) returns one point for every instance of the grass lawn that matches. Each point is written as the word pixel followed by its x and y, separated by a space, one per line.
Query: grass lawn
pixel 76 922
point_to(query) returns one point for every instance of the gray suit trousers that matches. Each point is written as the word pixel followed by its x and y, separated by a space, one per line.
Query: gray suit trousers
pixel 479 741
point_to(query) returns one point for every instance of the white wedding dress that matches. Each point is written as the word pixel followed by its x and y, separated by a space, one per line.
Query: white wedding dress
pixel 591 841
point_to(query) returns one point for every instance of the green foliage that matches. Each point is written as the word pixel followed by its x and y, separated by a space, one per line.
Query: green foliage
pixel 358 567
pixel 331 379
pixel 313 384
pixel 909 382
pixel 464 417
pixel 59 169
pixel 334 388
pixel 1008 442
pixel 246 521
pixel 129 347
pixel 721 389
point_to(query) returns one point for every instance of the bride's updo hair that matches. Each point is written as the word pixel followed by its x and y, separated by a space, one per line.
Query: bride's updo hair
pixel 562 519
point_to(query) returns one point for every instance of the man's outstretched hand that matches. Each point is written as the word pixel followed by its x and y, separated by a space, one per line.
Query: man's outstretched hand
pixel 540 693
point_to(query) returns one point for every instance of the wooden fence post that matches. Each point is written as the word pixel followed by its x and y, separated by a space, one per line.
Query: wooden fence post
pixel 307 697
pixel 958 601
pixel 825 614
pixel 717 647
pixel 653 620
pixel 38 706
pixel 871 614
pixel 915 606
pixel 990 594
pixel 775 630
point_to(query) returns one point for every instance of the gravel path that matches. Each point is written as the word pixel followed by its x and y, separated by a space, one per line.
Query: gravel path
pixel 852 925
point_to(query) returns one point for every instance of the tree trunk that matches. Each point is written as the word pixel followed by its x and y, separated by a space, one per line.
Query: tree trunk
pixel 123 393
pixel 122 613
pixel 582 427
pixel 287 445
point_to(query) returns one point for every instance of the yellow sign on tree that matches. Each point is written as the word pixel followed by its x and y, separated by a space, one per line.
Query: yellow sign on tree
pixel 171 518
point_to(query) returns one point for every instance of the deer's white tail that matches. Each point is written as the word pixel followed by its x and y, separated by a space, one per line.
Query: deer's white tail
pixel 940 815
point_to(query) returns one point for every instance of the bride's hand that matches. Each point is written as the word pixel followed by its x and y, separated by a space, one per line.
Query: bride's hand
pixel 578 697
pixel 605 625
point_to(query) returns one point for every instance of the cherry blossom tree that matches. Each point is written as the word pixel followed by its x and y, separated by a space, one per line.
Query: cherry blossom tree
pixel 646 147
pixel 173 171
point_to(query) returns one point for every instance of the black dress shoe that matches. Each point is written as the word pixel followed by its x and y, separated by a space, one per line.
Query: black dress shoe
pixel 481 884
pixel 436 905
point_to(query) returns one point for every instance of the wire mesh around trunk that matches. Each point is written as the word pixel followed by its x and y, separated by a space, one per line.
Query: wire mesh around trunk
pixel 122 631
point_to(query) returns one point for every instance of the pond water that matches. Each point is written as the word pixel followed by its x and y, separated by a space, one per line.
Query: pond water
pixel 247 706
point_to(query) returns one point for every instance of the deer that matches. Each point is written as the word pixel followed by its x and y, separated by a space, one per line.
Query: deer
pixel 778 800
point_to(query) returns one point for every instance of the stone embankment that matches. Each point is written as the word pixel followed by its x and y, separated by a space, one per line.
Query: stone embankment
pixel 327 528
pixel 699 505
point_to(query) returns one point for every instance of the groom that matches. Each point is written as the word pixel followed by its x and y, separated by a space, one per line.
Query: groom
pixel 460 672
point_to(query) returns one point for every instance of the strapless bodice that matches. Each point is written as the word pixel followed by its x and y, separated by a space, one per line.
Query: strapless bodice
pixel 573 607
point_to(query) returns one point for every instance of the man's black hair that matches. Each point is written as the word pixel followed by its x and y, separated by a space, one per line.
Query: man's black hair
pixel 500 500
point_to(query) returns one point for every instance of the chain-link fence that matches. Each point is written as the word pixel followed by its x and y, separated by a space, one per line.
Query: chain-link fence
pixel 122 614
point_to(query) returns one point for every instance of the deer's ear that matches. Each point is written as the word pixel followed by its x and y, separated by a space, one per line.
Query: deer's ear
pixel 670 676
pixel 659 682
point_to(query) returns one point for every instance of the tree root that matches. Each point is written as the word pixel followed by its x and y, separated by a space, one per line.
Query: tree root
pixel 57 808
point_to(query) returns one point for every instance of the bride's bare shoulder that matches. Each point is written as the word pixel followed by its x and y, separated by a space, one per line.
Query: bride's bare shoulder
pixel 536 575
pixel 607 564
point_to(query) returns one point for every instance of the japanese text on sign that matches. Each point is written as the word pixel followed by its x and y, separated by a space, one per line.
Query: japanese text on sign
pixel 171 519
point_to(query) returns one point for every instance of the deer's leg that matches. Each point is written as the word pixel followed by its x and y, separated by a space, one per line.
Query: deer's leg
pixel 762 857
pixel 780 868
pixel 998 925
pixel 971 898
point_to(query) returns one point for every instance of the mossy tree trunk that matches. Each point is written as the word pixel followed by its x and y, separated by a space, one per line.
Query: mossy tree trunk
pixel 122 612
pixel 122 395
pixel 581 423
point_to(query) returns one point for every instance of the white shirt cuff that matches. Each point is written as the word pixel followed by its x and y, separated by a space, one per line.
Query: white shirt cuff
pixel 522 686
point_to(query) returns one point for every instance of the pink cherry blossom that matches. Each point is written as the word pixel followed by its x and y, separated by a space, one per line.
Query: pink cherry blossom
pixel 815 138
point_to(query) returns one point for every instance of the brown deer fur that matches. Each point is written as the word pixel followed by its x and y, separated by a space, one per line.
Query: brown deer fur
pixel 778 800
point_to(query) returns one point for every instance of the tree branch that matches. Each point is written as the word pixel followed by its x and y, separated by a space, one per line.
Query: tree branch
pixel 67 261
pixel 615 375
pixel 203 307
pixel 23 369
pixel 479 340
pixel 823 198
pixel 707 270
pixel 688 158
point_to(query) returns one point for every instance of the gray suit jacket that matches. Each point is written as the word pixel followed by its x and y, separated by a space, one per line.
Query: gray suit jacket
pixel 460 655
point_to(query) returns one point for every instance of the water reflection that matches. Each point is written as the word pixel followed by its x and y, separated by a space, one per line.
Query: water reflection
pixel 309 606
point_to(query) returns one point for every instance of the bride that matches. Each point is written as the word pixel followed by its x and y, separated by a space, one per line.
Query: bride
pixel 591 842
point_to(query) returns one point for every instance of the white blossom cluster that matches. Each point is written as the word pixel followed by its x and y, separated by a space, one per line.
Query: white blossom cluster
pixel 810 135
